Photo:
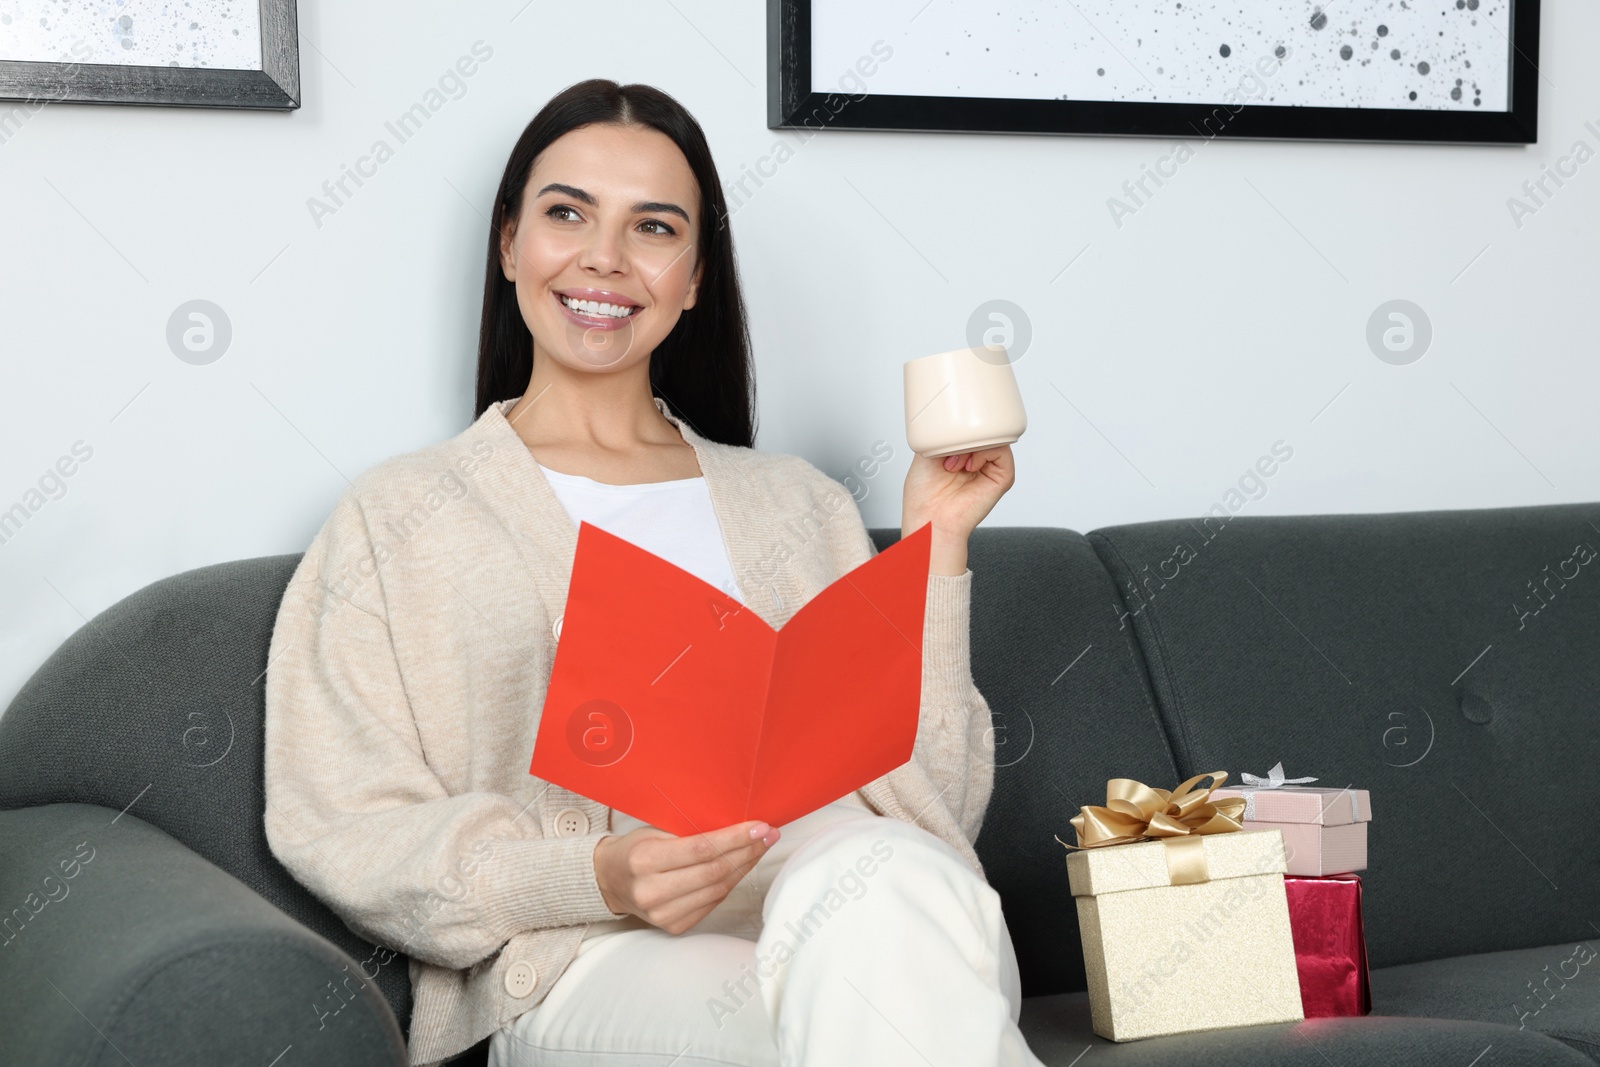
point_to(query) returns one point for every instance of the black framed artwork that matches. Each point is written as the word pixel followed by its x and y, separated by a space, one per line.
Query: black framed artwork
pixel 1445 71
pixel 206 53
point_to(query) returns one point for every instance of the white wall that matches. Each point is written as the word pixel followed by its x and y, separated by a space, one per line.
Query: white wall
pixel 1222 317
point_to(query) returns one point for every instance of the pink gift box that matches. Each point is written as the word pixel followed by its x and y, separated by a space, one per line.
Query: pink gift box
pixel 1324 830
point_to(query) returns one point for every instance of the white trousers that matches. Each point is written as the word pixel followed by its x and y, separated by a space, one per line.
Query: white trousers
pixel 856 939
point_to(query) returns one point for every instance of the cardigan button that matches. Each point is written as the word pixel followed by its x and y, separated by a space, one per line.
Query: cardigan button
pixel 555 628
pixel 521 978
pixel 570 822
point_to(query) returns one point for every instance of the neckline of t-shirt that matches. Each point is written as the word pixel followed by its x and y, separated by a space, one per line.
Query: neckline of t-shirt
pixel 636 487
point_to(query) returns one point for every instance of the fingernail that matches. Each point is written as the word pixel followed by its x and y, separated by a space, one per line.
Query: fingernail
pixel 760 829
pixel 773 841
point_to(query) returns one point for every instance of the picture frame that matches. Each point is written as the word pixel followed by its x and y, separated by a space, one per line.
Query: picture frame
pixel 274 86
pixel 849 98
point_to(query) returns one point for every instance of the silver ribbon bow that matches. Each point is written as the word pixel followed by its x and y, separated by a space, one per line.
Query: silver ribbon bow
pixel 1273 780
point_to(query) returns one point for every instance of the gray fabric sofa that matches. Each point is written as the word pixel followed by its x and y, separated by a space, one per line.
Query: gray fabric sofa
pixel 1406 653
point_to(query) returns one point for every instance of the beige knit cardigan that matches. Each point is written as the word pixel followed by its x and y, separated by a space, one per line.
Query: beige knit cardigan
pixel 405 679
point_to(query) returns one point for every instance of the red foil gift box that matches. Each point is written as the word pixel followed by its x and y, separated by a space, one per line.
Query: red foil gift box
pixel 1330 947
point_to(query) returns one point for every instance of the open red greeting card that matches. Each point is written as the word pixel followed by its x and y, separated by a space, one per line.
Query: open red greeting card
pixel 672 702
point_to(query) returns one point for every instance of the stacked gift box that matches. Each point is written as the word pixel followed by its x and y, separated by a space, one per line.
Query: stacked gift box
pixel 1324 833
pixel 1174 887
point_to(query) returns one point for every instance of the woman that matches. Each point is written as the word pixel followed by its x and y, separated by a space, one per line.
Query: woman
pixel 414 643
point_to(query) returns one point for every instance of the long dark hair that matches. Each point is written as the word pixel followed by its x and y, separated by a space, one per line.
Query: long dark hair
pixel 702 368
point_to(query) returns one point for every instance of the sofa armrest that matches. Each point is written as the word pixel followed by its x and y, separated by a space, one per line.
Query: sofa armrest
pixel 112 932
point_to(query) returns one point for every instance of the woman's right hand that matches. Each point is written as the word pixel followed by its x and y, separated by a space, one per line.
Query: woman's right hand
pixel 673 882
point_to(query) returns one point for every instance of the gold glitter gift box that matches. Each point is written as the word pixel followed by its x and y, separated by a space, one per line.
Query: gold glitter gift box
pixel 1189 932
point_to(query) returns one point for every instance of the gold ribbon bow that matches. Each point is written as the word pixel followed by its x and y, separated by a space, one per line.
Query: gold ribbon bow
pixel 1134 811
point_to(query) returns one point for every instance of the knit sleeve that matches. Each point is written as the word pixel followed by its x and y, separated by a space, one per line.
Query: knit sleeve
pixel 955 735
pixel 353 810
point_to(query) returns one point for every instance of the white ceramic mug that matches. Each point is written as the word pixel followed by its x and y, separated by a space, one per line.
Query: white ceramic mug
pixel 962 401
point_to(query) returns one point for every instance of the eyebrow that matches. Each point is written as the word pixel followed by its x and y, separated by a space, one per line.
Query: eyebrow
pixel 640 208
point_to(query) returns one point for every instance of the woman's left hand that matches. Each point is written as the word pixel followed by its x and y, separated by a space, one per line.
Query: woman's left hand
pixel 954 493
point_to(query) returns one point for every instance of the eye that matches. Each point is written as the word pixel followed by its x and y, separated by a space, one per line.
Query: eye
pixel 665 231
pixel 550 212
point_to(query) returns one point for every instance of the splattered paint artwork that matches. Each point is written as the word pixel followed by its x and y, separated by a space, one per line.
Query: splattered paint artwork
pixel 1357 53
pixel 222 34
pixel 1452 70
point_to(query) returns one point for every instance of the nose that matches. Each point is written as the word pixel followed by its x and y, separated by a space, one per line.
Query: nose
pixel 602 252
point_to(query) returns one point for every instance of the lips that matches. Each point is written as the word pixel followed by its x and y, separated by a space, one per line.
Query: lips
pixel 599 296
pixel 597 322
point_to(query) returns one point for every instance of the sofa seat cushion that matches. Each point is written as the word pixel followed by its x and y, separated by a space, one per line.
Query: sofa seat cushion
pixel 1058 1032
pixel 1554 991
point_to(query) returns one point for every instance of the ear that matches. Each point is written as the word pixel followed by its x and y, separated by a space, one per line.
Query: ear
pixel 694 286
pixel 508 261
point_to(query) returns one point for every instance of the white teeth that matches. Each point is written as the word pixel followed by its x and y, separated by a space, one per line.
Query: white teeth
pixel 590 307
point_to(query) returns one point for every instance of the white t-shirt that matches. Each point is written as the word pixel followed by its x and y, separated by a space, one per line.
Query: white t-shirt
pixel 672 519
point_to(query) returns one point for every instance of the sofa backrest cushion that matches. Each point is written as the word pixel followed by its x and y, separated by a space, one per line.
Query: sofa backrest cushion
pixel 1070 706
pixel 1444 660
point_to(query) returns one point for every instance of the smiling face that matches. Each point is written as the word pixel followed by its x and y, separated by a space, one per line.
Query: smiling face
pixel 604 254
